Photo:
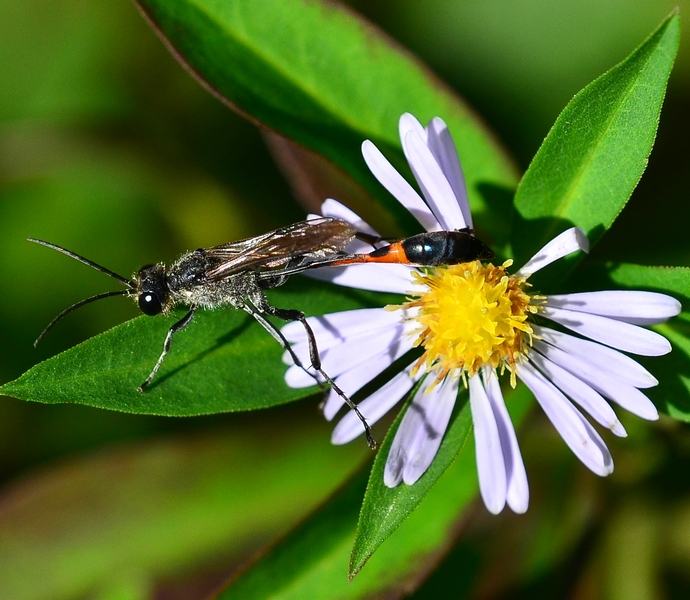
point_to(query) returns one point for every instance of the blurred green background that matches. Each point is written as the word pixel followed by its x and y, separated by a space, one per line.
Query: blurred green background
pixel 108 147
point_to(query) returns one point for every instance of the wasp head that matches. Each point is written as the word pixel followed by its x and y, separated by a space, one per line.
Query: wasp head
pixel 151 289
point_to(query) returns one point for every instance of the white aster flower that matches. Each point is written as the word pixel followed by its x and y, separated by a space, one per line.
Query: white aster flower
pixel 474 322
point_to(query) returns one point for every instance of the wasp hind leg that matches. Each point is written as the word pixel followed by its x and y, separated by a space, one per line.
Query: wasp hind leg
pixel 287 314
pixel 280 338
pixel 181 324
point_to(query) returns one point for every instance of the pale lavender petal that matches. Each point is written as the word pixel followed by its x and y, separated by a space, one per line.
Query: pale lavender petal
pixel 333 208
pixel 409 122
pixel 396 279
pixel 569 241
pixel 623 394
pixel 398 186
pixel 581 393
pixel 491 467
pixel 360 374
pixel 398 454
pixel 516 475
pixel 632 307
pixel 613 362
pixel 360 350
pixel 420 433
pixel 425 445
pixel 617 334
pixel 575 430
pixel 442 147
pixel 342 325
pixel 343 357
pixel 297 377
pixel 627 397
pixel 354 247
pixel 373 407
pixel 435 187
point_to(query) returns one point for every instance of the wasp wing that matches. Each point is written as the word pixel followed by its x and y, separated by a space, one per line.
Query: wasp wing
pixel 315 238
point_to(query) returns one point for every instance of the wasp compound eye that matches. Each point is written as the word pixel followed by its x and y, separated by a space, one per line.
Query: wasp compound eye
pixel 149 303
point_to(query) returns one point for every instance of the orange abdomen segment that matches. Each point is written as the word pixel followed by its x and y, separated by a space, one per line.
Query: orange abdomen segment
pixel 393 253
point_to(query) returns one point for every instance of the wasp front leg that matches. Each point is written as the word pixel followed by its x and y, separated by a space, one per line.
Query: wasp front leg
pixel 181 324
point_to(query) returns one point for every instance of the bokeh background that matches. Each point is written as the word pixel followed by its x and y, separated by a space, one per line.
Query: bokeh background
pixel 108 147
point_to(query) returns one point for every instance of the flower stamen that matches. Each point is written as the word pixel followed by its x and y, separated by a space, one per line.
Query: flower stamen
pixel 472 315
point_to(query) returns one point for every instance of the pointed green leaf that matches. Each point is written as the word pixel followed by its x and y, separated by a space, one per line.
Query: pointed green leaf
pixel 313 72
pixel 384 508
pixel 223 361
pixel 317 73
pixel 597 150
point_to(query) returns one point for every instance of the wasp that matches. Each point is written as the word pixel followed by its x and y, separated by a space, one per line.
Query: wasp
pixel 237 274
pixel 234 274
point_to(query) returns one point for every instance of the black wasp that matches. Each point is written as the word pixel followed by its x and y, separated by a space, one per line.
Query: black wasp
pixel 236 275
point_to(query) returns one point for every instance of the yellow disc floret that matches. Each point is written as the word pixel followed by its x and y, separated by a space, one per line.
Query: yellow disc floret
pixel 472 315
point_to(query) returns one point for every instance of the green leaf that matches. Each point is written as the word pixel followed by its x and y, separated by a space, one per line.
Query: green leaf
pixel 384 508
pixel 223 361
pixel 318 74
pixel 130 516
pixel 596 152
pixel 672 395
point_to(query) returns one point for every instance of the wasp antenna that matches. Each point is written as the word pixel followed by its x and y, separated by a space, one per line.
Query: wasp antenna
pixel 128 282
pixel 75 306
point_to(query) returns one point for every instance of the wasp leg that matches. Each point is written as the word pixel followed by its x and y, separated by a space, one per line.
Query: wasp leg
pixel 297 315
pixel 181 324
pixel 280 338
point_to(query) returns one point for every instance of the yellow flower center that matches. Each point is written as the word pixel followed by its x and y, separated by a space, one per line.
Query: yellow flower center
pixel 472 315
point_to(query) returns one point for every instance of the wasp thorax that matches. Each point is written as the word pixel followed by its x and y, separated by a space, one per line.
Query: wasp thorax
pixel 152 289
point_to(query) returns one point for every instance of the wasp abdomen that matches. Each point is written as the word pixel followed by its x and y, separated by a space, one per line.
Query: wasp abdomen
pixel 444 248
